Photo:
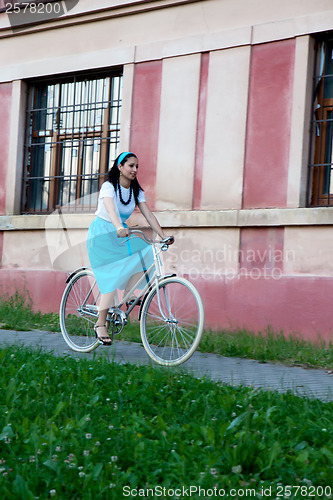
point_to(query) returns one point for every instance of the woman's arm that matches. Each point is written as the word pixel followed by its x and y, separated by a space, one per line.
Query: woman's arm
pixel 122 232
pixel 151 219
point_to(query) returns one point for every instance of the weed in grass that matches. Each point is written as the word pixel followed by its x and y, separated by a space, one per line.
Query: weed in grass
pixel 79 429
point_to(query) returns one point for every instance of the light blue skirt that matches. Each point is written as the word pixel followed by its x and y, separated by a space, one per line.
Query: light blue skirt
pixel 114 260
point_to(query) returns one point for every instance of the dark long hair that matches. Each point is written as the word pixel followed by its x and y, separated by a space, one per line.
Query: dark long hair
pixel 114 174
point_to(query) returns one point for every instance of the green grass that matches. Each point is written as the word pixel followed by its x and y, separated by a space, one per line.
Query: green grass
pixel 269 347
pixel 85 429
pixel 16 313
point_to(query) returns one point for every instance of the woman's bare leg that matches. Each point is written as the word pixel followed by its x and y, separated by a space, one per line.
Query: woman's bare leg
pixel 107 301
pixel 131 282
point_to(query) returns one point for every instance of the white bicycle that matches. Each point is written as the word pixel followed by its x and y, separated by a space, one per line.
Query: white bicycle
pixel 171 311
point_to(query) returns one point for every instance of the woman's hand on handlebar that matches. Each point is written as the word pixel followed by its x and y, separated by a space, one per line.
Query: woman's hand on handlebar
pixel 122 232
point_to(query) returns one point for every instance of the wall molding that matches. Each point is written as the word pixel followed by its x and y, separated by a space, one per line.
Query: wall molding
pixel 159 49
pixel 196 219
pixel 84 12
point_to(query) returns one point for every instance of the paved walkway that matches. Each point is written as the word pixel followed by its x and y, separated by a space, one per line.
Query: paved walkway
pixel 233 371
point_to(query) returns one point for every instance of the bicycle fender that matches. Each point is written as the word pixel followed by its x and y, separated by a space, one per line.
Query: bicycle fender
pixel 72 274
pixel 143 300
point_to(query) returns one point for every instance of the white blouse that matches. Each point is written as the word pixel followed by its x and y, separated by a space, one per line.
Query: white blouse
pixel 123 211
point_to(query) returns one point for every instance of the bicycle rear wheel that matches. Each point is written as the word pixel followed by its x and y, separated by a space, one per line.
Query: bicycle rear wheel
pixel 172 321
pixel 79 311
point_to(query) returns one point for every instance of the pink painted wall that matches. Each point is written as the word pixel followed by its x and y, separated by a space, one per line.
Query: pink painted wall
pixel 1 247
pixel 200 136
pixel 297 305
pixel 5 108
pixel 261 251
pixel 269 125
pixel 145 123
pixel 45 288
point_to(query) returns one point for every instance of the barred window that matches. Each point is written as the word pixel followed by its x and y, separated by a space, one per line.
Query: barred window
pixel 72 136
pixel 321 154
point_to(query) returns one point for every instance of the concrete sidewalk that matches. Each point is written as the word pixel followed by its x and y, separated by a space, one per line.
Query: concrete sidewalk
pixel 233 371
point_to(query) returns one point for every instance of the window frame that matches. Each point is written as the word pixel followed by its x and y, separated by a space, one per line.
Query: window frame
pixel 321 132
pixel 105 136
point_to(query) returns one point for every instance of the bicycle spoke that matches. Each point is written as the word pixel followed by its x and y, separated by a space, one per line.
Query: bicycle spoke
pixel 172 321
pixel 77 312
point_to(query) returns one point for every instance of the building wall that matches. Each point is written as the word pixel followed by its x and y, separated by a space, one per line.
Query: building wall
pixel 217 105
pixel 5 109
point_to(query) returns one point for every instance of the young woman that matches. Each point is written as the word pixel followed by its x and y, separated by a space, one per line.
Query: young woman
pixel 115 261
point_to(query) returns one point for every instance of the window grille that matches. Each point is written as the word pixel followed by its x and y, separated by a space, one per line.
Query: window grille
pixel 72 136
pixel 321 152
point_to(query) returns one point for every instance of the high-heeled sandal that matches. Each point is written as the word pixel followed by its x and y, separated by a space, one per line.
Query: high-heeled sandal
pixel 102 340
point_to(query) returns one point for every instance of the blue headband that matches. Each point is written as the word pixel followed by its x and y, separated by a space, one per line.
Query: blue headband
pixel 122 156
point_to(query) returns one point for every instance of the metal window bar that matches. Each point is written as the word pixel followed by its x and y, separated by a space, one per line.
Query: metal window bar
pixel 72 133
pixel 320 175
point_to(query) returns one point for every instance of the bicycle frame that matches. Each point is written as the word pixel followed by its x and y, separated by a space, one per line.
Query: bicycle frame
pixel 151 282
pixel 171 312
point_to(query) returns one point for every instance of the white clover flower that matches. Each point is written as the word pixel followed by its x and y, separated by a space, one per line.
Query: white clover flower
pixel 88 435
pixel 114 458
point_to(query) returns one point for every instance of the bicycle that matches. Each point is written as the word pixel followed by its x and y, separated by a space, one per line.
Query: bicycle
pixel 171 311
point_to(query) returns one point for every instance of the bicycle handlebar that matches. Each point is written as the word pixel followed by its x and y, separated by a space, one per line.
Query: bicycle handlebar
pixel 164 243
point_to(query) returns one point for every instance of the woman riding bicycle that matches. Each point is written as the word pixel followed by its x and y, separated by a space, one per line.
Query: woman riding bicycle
pixel 115 262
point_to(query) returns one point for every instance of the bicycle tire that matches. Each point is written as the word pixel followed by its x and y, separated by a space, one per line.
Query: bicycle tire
pixel 79 311
pixel 173 340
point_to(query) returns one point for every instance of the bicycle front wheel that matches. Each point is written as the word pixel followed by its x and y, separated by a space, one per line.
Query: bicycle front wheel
pixel 172 321
pixel 79 312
